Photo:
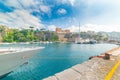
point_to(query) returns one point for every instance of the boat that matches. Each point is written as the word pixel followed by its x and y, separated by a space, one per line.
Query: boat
pixel 84 41
pixel 12 58
pixel 92 42
pixel 79 41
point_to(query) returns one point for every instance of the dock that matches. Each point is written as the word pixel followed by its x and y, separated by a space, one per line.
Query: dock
pixel 94 69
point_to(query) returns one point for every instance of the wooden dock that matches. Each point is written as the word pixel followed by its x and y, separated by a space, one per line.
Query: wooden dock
pixel 94 69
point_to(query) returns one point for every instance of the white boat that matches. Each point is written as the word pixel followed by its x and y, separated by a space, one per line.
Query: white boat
pixel 84 41
pixel 11 58
pixel 78 40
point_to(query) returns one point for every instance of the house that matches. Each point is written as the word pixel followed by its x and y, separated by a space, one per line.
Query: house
pixel 61 34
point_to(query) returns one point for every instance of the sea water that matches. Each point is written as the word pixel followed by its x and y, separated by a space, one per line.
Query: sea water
pixel 54 58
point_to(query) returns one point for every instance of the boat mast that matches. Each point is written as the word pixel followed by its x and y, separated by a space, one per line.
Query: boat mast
pixel 79 30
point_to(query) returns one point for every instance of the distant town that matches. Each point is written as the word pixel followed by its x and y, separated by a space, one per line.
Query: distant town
pixel 59 35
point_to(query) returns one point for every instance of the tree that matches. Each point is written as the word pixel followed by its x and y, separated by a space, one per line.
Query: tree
pixel 8 37
pixel 55 37
pixel 15 35
pixel 2 31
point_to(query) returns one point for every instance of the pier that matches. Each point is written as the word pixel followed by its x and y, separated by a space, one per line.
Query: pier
pixel 95 69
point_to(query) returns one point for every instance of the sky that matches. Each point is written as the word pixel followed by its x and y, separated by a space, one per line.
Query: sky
pixel 92 15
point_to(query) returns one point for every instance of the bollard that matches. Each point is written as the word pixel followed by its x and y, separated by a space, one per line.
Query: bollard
pixel 107 56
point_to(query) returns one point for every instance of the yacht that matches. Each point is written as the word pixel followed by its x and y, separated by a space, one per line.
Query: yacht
pixel 84 41
pixel 12 58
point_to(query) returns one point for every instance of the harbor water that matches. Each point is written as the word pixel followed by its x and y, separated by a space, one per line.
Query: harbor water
pixel 54 58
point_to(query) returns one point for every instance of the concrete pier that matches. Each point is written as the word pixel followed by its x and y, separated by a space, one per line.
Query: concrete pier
pixel 94 69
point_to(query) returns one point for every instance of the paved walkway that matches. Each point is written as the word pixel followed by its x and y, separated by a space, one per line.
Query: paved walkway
pixel 116 75
pixel 94 69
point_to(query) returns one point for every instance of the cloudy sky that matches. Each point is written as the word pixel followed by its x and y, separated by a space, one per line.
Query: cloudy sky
pixel 95 15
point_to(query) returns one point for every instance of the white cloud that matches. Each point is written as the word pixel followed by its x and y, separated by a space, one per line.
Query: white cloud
pixel 72 2
pixel 95 27
pixel 20 19
pixel 73 28
pixel 61 11
pixel 96 12
pixel 52 27
pixel 90 2
pixel 12 3
pixel 29 5
pixel 21 16
pixel 20 4
pixel 45 8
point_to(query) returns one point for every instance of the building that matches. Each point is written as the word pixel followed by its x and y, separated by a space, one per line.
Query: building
pixel 61 34
pixel 59 30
